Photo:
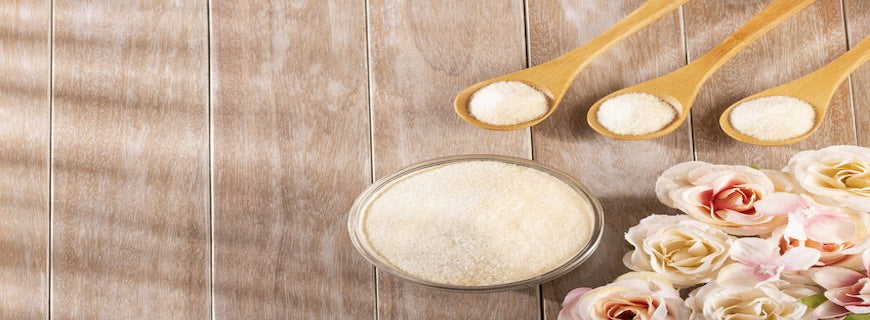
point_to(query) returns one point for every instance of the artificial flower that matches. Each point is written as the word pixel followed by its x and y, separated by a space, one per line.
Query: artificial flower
pixel 844 253
pixel 684 251
pixel 807 219
pixel 759 261
pixel 847 290
pixel 634 295
pixel 720 195
pixel 777 300
pixel 836 175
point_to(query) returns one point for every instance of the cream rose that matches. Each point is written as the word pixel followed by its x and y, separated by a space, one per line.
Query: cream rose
pixel 720 195
pixel 634 295
pixel 833 254
pixel 836 175
pixel 684 251
pixel 771 301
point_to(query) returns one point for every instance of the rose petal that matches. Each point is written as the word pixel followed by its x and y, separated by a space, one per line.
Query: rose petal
pixel 736 275
pixel 754 251
pixel 783 182
pixel 795 230
pixel 779 203
pixel 865 257
pixel 828 310
pixel 800 258
pixel 673 178
pixel 858 309
pixel 574 295
pixel 570 302
pixel 836 277
pixel 831 228
pixel 841 296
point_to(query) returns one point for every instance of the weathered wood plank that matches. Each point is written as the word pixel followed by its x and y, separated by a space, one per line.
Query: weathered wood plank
pixel 130 207
pixel 422 54
pixel 802 44
pixel 620 173
pixel 858 25
pixel 291 152
pixel 25 61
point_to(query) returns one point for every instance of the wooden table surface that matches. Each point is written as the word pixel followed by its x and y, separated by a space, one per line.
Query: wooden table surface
pixel 179 159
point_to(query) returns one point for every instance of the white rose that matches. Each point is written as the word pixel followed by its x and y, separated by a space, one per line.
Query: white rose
pixel 634 295
pixel 836 175
pixel 684 251
pixel 772 301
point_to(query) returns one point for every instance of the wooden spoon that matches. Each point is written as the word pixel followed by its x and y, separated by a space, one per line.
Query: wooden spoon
pixel 816 88
pixel 679 88
pixel 554 77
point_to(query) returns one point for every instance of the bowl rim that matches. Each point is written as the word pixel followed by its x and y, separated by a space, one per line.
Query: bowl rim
pixel 355 215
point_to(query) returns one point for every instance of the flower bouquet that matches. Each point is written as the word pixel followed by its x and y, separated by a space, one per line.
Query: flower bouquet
pixel 750 244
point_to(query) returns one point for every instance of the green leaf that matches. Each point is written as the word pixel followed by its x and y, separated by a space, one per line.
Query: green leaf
pixel 814 300
pixel 865 316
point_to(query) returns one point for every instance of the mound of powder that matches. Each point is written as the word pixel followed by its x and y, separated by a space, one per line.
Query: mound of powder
pixel 635 114
pixel 507 103
pixel 477 223
pixel 773 118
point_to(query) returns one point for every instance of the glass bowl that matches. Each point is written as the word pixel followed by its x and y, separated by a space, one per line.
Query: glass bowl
pixel 355 224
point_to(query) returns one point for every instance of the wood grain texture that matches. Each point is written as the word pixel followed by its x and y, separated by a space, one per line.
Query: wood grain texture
pixel 291 152
pixel 25 61
pixel 130 207
pixel 858 24
pixel 422 54
pixel 802 44
pixel 619 173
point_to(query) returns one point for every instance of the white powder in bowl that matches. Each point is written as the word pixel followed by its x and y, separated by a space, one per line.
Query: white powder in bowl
pixel 477 223
pixel 507 103
pixel 635 114
pixel 773 118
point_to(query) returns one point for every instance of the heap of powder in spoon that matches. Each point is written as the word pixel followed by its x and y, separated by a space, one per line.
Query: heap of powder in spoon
pixel 635 114
pixel 773 118
pixel 507 103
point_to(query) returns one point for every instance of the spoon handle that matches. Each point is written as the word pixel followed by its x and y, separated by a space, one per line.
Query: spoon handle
pixel 819 87
pixel 840 69
pixel 649 11
pixel 772 15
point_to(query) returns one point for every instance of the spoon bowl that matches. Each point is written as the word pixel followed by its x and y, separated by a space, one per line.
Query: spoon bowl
pixel 537 77
pixel 678 97
pixel 554 77
pixel 679 88
pixel 725 121
pixel 817 89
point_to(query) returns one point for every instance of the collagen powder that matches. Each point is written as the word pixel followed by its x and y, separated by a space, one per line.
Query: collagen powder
pixel 635 114
pixel 773 118
pixel 477 223
pixel 507 103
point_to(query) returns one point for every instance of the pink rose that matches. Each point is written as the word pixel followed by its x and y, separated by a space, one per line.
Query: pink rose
pixel 720 195
pixel 634 295
pixel 847 290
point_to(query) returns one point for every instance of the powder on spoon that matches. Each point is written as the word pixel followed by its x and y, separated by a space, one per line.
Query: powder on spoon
pixel 507 103
pixel 477 223
pixel 773 118
pixel 635 114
